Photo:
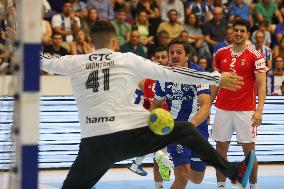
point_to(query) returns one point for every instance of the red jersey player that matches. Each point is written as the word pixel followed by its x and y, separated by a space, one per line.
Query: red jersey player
pixel 236 110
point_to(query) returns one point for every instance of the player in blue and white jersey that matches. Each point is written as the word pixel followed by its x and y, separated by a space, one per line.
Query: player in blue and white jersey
pixel 186 103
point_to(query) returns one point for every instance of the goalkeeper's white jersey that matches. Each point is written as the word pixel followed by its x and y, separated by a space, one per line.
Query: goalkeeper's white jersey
pixel 104 82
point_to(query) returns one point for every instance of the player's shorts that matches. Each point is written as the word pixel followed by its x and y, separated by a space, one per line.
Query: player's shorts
pixel 182 155
pixel 226 122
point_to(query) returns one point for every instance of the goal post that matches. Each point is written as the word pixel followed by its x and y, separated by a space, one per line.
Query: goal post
pixel 26 113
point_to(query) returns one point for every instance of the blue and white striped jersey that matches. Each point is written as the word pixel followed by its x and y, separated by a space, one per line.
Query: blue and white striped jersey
pixel 182 99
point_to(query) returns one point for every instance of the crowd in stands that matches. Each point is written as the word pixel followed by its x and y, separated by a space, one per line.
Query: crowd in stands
pixel 144 25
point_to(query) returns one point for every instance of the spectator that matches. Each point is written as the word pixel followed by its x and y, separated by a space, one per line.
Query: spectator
pixel 280 4
pixel 122 28
pixel 279 66
pixel 48 12
pixel 202 62
pixel 173 27
pixel 241 9
pixel 79 8
pixel 222 4
pixel 129 16
pixel 162 39
pixel 118 4
pixel 229 39
pixel 214 30
pixel 196 38
pixel 143 26
pixel 133 45
pixel 81 45
pixel 57 5
pixel 265 10
pixel 278 75
pixel 4 52
pixel 279 92
pixel 161 55
pixel 279 32
pixel 168 5
pixel 153 12
pixel 104 8
pixel 200 9
pixel 193 54
pixel 56 47
pixel 87 22
pixel 46 32
pixel 263 27
pixel 66 23
pixel 260 46
pixel 278 50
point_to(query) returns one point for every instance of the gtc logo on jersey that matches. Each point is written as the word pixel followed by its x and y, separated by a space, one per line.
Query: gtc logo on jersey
pixel 243 61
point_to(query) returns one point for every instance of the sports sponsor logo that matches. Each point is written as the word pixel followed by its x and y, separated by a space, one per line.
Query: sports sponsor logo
pixel 99 57
pixel 102 119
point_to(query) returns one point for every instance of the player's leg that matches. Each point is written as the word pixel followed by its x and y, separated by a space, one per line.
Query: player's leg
pixel 142 141
pixel 188 136
pixel 246 135
pixel 222 149
pixel 247 147
pixel 181 176
pixel 197 170
pixel 88 167
pixel 136 166
pixel 197 166
pixel 180 156
pixel 221 133
pixel 157 177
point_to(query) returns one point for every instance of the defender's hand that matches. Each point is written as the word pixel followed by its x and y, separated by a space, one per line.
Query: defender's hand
pixel 256 118
pixel 231 81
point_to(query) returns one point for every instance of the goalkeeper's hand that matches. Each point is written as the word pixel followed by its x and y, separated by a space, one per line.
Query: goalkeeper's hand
pixel 231 81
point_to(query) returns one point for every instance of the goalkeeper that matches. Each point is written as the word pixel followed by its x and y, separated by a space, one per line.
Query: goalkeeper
pixel 114 129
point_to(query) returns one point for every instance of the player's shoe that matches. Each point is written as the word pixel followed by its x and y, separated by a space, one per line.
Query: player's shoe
pixel 138 169
pixel 165 165
pixel 244 170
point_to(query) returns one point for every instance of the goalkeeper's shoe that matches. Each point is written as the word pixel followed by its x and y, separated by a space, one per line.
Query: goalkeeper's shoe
pixel 165 165
pixel 244 170
pixel 138 169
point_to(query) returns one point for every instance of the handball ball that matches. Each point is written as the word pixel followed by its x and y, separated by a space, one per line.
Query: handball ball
pixel 160 121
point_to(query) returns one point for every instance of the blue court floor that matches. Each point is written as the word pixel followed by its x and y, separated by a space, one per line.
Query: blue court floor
pixel 270 177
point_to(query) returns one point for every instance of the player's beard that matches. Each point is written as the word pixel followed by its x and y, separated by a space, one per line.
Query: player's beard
pixel 239 41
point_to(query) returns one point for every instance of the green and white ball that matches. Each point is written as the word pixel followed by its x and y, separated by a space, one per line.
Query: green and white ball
pixel 160 121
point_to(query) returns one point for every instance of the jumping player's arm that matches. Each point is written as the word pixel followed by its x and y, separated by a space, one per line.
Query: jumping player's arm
pixel 214 92
pixel 204 109
pixel 141 84
pixel 145 69
pixel 155 104
pixel 159 95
